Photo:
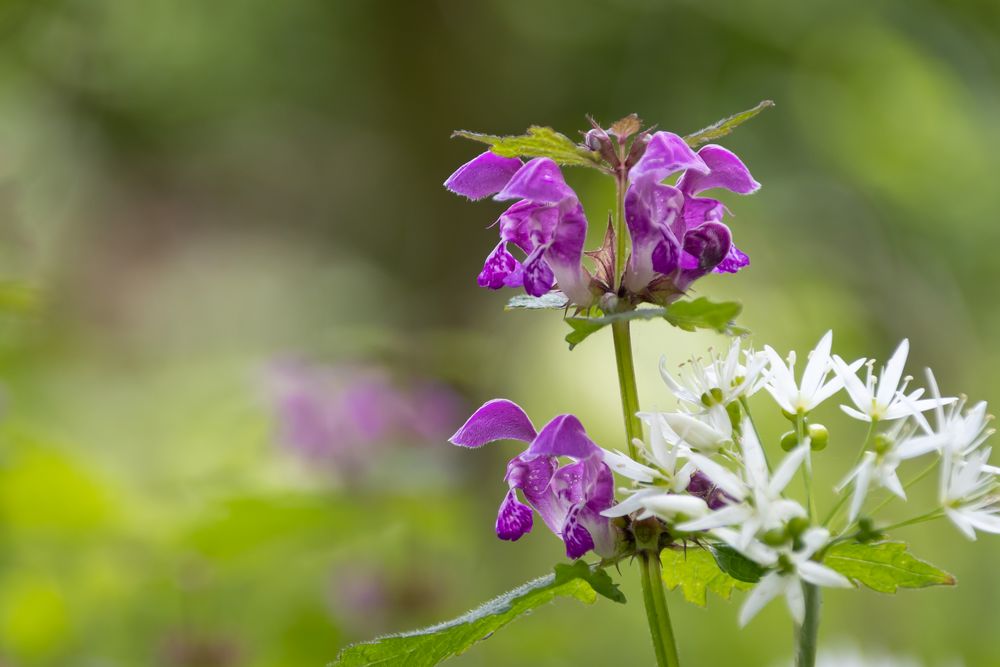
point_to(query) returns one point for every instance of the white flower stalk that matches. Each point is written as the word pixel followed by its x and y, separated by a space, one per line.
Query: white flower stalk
pixel 720 381
pixel 815 387
pixel 969 495
pixel 884 398
pixel 792 568
pixel 758 504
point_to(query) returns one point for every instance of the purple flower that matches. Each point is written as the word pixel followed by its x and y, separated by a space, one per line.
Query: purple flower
pixel 546 223
pixel 702 487
pixel 569 497
pixel 677 237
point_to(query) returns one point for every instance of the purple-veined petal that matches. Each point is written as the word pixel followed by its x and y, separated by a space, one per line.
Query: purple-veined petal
pixel 564 436
pixel 484 175
pixel 527 224
pixel 698 210
pixel 710 244
pixel 602 533
pixel 735 260
pixel 501 269
pixel 514 518
pixel 531 474
pixel 538 276
pixel 725 171
pixel 498 419
pixel 652 213
pixel 565 255
pixel 539 180
pixel 666 154
pixel 577 538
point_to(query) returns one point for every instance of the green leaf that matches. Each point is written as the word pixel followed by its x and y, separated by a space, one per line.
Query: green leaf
pixel 583 327
pixel 885 566
pixel 598 579
pixel 538 142
pixel 430 646
pixel 696 572
pixel 725 126
pixel 554 300
pixel 688 315
pixel 701 313
pixel 736 565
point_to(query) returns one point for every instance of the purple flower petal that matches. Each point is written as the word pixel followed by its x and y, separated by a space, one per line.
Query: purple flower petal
pixel 484 175
pixel 527 224
pixel 710 243
pixel 538 276
pixel 652 213
pixel 699 210
pixel 564 436
pixel 735 260
pixel 565 255
pixel 539 180
pixel 501 269
pixel 602 532
pixel 726 171
pixel 514 518
pixel 666 154
pixel 577 538
pixel 498 419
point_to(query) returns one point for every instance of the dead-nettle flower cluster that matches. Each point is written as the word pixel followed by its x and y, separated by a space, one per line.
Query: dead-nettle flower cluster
pixel 699 482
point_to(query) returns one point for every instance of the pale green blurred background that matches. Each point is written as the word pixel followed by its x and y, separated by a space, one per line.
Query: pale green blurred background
pixel 200 188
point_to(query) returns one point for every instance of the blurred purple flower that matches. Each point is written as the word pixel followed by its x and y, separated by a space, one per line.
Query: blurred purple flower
pixel 569 498
pixel 344 415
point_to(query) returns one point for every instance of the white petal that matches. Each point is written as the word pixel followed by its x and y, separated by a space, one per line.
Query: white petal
pixel 817 366
pixel 627 467
pixel 694 432
pixel 727 516
pixel 961 522
pixel 795 599
pixel 671 504
pixel 630 504
pixel 861 486
pixel 813 540
pixel 889 381
pixel 849 376
pixel 786 470
pixel 985 521
pixel 851 412
pixel 769 588
pixel 890 480
pixel 821 575
pixel 754 461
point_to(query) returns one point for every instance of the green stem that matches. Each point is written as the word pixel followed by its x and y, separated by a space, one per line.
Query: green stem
pixel 835 511
pixel 807 633
pixel 664 644
pixel 930 516
pixel 800 432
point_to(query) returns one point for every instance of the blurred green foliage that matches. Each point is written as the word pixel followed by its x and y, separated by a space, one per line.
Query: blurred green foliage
pixel 189 190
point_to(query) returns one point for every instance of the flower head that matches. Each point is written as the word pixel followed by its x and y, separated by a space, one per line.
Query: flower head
pixel 884 398
pixel 568 497
pixel 815 387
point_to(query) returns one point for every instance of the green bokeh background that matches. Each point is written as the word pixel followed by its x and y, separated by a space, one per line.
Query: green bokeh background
pixel 196 188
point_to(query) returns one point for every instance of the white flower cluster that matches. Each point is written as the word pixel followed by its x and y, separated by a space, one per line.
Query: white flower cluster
pixel 703 469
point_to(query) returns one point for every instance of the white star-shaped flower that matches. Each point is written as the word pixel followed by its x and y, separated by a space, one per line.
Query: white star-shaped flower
pixel 816 385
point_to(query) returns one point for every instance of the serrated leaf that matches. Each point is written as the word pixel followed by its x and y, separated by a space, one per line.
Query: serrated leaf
pixel 552 300
pixel 725 126
pixel 695 571
pixel 538 142
pixel 598 579
pixel 885 566
pixel 583 327
pixel 627 126
pixel 702 313
pixel 688 315
pixel 736 565
pixel 431 646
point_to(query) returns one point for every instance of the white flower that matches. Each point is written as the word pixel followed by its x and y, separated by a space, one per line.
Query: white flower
pixel 968 495
pixel 793 568
pixel 957 434
pixel 815 388
pixel 759 505
pixel 706 433
pixel 879 467
pixel 718 382
pixel 883 398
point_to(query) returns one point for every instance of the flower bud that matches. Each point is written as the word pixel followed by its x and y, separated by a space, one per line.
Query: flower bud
pixel 789 441
pixel 819 437
pixel 883 443
pixel 797 525
pixel 774 537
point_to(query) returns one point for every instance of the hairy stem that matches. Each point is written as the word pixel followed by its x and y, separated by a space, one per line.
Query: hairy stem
pixel 653 596
pixel 807 633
